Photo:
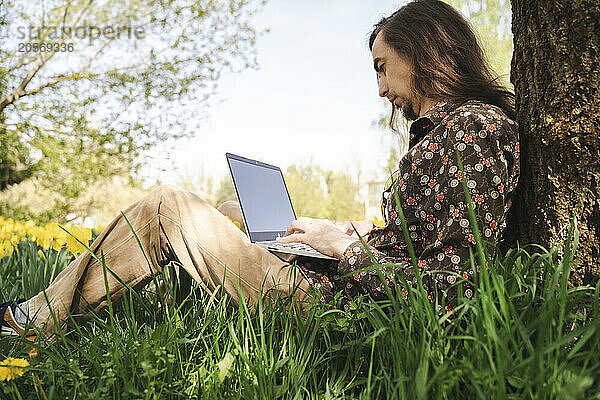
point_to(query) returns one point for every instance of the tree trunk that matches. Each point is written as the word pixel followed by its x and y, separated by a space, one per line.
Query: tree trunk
pixel 556 74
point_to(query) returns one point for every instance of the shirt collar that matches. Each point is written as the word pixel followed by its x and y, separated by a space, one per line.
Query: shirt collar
pixel 432 118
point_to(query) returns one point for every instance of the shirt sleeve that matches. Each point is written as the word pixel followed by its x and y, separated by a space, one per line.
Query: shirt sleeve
pixel 356 258
pixel 432 197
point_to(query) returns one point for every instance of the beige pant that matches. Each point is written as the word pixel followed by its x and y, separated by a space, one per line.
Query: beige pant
pixel 172 225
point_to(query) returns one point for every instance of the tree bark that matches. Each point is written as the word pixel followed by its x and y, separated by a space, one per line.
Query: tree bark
pixel 556 74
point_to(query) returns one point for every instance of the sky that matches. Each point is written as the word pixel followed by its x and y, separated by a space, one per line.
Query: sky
pixel 314 97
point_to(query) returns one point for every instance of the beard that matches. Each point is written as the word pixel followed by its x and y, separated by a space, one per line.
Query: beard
pixel 408 110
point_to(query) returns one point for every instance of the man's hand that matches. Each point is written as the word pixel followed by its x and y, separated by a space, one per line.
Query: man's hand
pixel 364 228
pixel 320 234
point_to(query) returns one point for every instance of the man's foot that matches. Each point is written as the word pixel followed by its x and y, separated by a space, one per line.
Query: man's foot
pixel 13 320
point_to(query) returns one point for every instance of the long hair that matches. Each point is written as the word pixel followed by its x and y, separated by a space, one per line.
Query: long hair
pixel 448 61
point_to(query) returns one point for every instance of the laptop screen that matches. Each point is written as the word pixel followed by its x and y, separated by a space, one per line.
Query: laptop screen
pixel 263 197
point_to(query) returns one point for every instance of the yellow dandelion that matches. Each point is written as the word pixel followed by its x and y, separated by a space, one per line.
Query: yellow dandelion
pixel 29 225
pixel 55 237
pixel 43 238
pixel 12 367
pixel 58 243
pixel 7 246
pixel 83 234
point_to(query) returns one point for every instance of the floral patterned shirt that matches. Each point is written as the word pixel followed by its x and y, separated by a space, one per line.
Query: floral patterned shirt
pixel 430 190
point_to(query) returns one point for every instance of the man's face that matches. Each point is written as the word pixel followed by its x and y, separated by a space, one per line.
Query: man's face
pixel 394 75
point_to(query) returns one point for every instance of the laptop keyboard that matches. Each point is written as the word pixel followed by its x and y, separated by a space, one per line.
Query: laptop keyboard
pixel 295 246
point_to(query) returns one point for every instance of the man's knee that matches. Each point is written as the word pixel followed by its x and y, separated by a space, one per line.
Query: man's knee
pixel 166 189
pixel 159 195
pixel 231 209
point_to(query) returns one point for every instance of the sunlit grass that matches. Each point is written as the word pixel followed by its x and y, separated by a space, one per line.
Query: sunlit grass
pixel 526 334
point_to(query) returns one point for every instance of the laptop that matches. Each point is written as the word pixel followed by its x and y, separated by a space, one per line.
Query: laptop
pixel 266 205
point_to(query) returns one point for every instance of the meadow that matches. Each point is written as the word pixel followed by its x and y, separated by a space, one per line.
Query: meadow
pixel 527 334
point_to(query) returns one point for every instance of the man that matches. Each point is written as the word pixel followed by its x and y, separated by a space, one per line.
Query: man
pixel 433 71
pixel 431 68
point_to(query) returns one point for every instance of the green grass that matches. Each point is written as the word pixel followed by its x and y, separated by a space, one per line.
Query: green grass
pixel 527 334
